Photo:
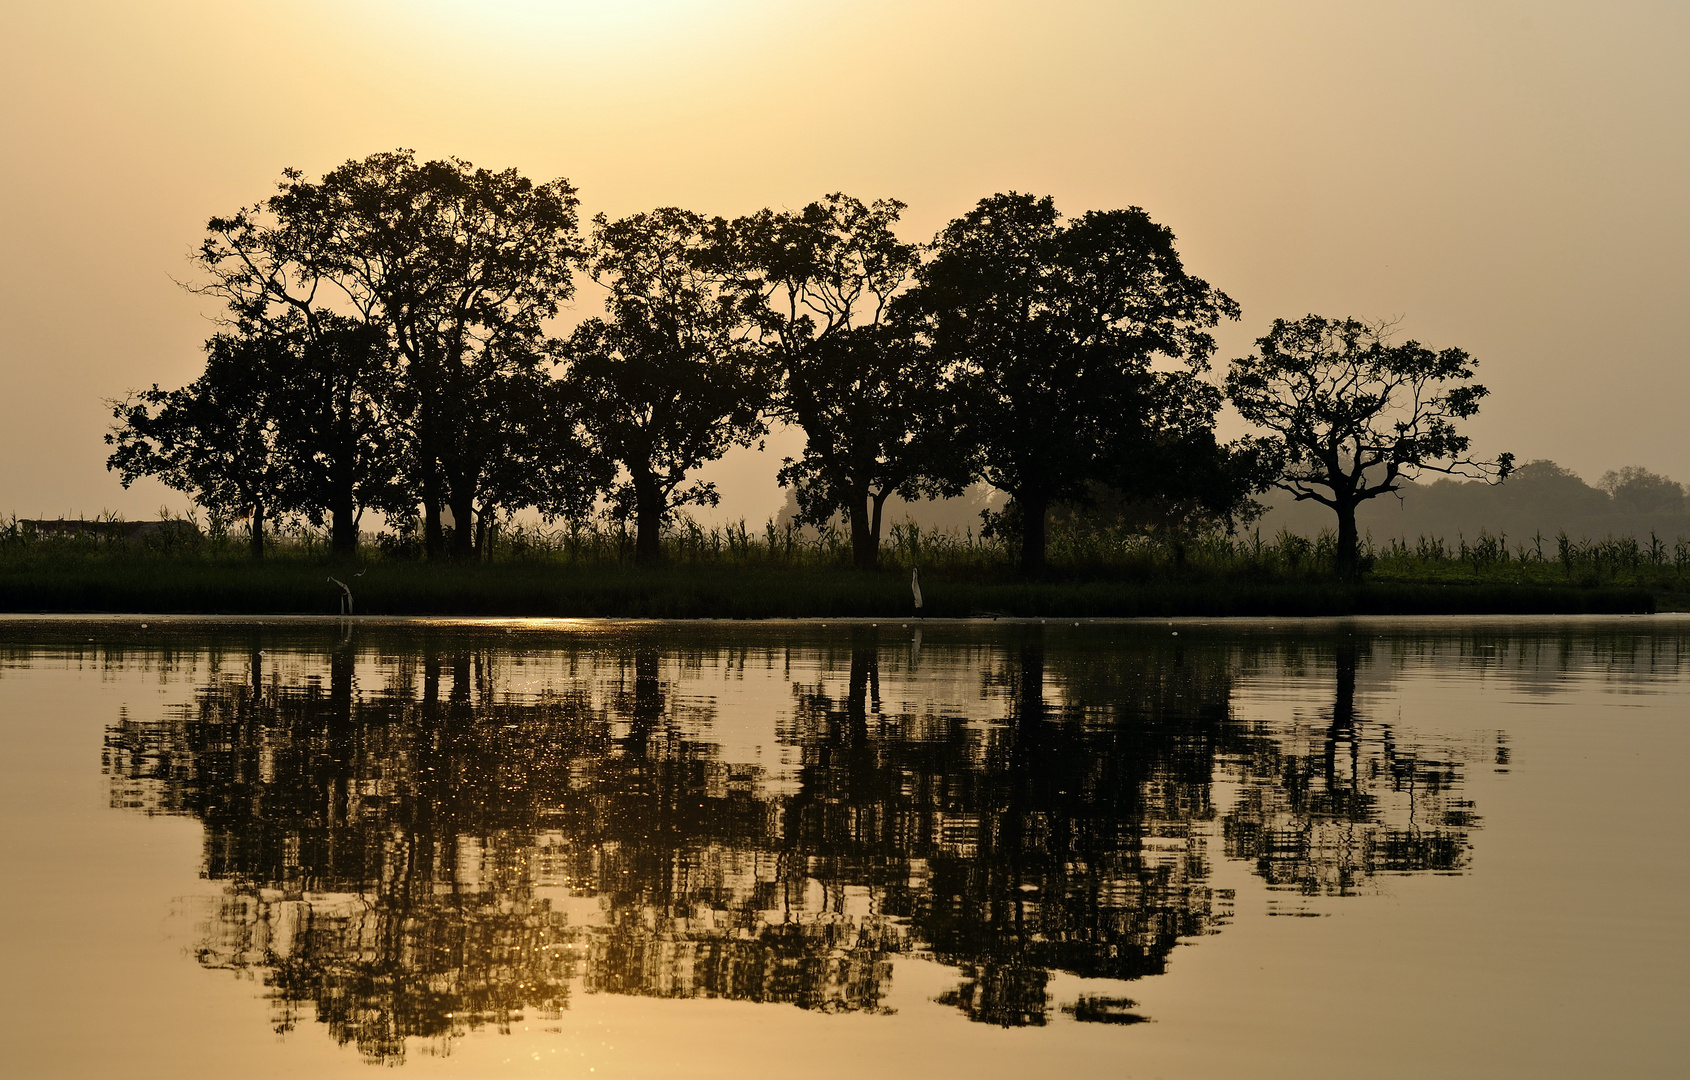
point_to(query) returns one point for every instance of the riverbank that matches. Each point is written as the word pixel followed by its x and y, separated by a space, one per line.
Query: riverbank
pixel 681 591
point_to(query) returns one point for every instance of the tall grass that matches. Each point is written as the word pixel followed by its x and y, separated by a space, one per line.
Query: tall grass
pixel 737 571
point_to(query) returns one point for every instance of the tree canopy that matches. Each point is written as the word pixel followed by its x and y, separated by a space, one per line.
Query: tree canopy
pixel 1054 328
pixel 1351 416
pixel 389 342
pixel 668 381
pixel 219 439
pixel 459 267
pixel 874 400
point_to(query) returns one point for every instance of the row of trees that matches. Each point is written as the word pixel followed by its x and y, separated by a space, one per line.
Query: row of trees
pixel 386 346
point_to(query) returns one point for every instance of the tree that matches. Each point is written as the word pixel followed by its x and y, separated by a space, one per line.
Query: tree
pixel 1351 416
pixel 1054 328
pixel 217 440
pixel 333 400
pixel 540 453
pixel 459 266
pixel 874 401
pixel 1637 491
pixel 668 382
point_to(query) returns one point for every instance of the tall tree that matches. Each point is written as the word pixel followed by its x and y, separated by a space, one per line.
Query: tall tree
pixel 1351 416
pixel 217 440
pixel 875 403
pixel 1055 327
pixel 334 400
pixel 669 381
pixel 459 266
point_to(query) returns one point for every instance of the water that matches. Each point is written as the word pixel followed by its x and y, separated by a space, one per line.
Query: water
pixel 1372 847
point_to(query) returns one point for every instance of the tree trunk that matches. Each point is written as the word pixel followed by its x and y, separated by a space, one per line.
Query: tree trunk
pixel 648 519
pixel 258 530
pixel 434 534
pixel 344 512
pixel 463 522
pixel 865 532
pixel 343 472
pixel 1033 513
pixel 1347 555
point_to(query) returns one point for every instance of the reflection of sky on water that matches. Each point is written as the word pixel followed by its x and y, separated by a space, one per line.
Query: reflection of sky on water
pixel 420 842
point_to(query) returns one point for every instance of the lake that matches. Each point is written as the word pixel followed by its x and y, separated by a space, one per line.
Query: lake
pixel 309 847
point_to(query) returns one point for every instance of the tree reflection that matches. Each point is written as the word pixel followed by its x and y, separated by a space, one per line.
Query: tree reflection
pixel 442 852
pixel 1328 820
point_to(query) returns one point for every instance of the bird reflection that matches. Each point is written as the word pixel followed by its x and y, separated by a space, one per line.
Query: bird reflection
pixel 441 853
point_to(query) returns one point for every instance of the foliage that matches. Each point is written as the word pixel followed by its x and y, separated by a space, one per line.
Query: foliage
pixel 667 382
pixel 458 266
pixel 220 439
pixel 335 400
pixel 1054 328
pixel 876 405
pixel 1351 416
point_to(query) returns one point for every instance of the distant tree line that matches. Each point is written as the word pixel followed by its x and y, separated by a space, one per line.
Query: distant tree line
pixel 1540 499
pixel 387 346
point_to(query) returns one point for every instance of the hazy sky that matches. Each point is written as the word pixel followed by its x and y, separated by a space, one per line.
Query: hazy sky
pixel 1509 177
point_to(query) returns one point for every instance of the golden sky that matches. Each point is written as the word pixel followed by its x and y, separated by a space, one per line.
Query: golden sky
pixel 1509 177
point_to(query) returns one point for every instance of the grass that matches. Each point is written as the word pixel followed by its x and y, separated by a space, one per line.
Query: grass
pixel 784 573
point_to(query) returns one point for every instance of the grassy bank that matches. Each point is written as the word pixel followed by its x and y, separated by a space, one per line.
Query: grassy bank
pixel 690 591
pixel 785 573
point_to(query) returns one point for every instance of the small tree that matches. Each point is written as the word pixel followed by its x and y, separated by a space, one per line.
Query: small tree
pixel 1352 416
pixel 668 382
pixel 875 402
pixel 216 440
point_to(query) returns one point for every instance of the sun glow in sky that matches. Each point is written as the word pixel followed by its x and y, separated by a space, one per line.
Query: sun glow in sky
pixel 1505 176
pixel 537 21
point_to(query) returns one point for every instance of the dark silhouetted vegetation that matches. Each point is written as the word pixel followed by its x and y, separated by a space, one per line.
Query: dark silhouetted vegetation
pixel 1540 500
pixel 879 409
pixel 669 381
pixel 1351 416
pixel 387 350
pixel 792 572
pixel 1053 328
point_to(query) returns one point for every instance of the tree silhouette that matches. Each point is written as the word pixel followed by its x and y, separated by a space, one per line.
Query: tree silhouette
pixel 544 454
pixel 293 417
pixel 1054 328
pixel 459 266
pixel 219 439
pixel 876 405
pixel 668 382
pixel 1352 416
pixel 336 403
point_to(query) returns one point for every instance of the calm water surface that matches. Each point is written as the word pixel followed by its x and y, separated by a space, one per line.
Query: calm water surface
pixel 305 848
